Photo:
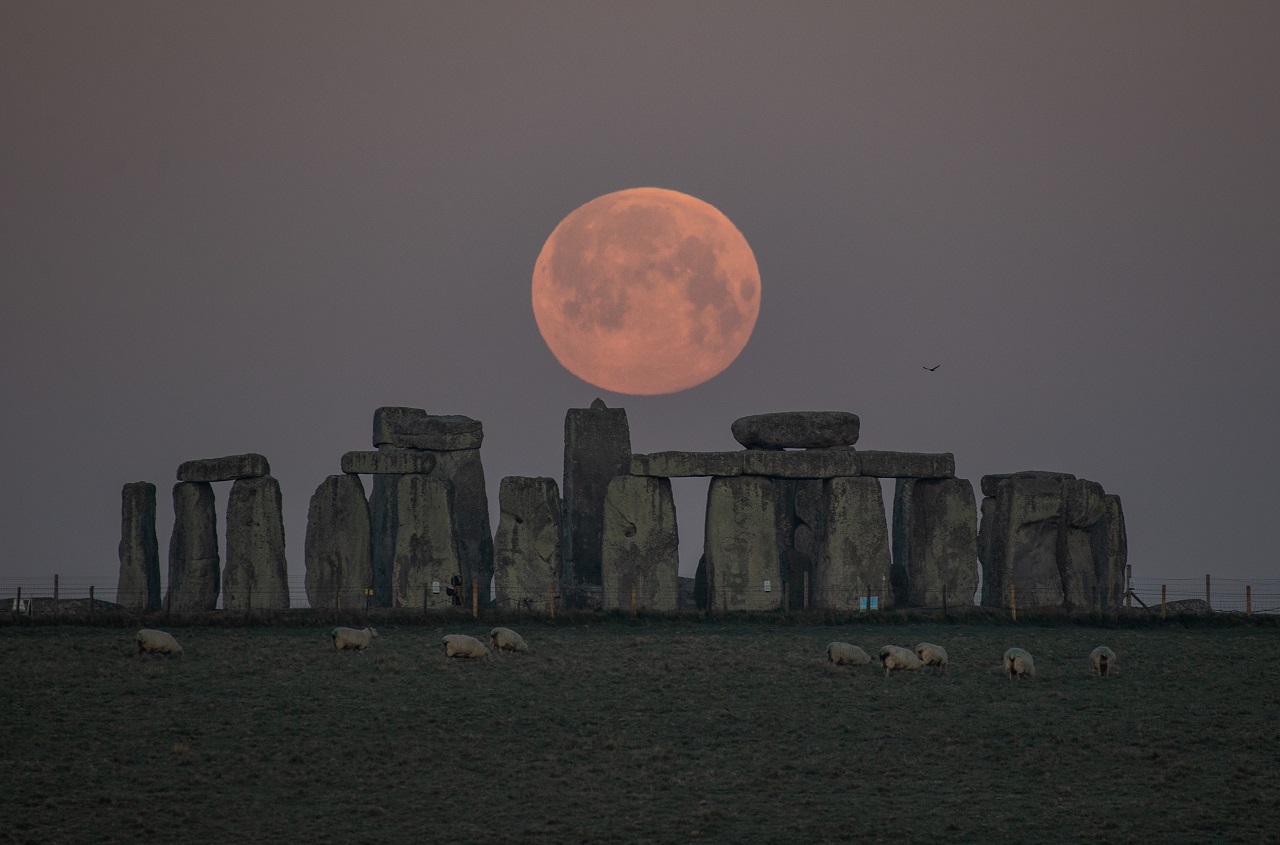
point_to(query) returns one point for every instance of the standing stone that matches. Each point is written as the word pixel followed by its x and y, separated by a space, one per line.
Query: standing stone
pixel 640 546
pixel 935 542
pixel 799 524
pixel 1110 553
pixel 1021 539
pixel 339 556
pixel 526 548
pixel 256 576
pixel 139 586
pixel 426 552
pixel 462 470
pixel 383 524
pixel 854 560
pixel 194 578
pixel 742 545
pixel 597 448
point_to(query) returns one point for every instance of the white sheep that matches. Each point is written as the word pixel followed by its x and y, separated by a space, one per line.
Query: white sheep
pixel 844 654
pixel 1103 660
pixel 152 641
pixel 460 645
pixel 894 657
pixel 932 655
pixel 344 638
pixel 505 639
pixel 1018 663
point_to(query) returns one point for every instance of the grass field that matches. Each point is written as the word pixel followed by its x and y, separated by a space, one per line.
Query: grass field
pixel 631 732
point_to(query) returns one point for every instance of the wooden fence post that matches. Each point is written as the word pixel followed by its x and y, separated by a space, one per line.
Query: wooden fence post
pixel 17 605
pixel 1162 602
pixel 633 596
pixel 1248 600
pixel 1013 601
pixel 475 596
pixel 1128 586
pixel 1208 605
pixel 55 596
pixel 93 605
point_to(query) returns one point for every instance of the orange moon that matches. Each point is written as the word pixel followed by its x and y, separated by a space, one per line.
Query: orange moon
pixel 646 291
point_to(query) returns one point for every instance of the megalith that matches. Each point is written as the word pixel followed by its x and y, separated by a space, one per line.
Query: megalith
pixel 194 575
pixel 640 553
pixel 1110 553
pixel 383 524
pixel 799 515
pixel 854 560
pixel 797 430
pixel 256 575
pixel 427 572
pixel 228 468
pixel 139 586
pixel 935 542
pixel 338 551
pixel 462 470
pixel 742 545
pixel 526 548
pixel 597 449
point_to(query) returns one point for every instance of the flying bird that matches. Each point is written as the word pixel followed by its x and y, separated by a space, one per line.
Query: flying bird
pixel 934 367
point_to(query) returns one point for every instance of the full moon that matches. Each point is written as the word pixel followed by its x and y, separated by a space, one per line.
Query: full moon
pixel 646 291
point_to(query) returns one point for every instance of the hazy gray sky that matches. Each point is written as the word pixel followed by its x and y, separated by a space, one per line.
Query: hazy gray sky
pixel 234 227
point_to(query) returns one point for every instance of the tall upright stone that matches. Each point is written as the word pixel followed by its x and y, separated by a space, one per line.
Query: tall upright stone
pixel 256 576
pixel 935 542
pixel 139 586
pixel 742 545
pixel 526 547
pixel 640 552
pixel 799 524
pixel 383 524
pixel 1110 553
pixel 854 560
pixel 597 449
pixel 427 571
pixel 462 470
pixel 338 553
pixel 194 576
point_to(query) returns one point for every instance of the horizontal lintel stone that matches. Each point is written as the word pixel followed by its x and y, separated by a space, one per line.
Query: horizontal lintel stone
pixel 388 463
pixel 908 464
pixel 832 463
pixel 229 468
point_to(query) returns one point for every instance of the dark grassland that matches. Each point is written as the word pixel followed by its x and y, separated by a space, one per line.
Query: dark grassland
pixel 624 731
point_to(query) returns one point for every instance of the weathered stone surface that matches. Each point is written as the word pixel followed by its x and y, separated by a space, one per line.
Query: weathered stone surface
pixel 194 575
pixel 1083 500
pixel 597 448
pixel 640 546
pixel 389 462
pixel 935 542
pixel 464 473
pixel 139 586
pixel 526 547
pixel 414 428
pixel 339 555
pixel 1029 479
pixel 229 468
pixel 835 463
pixel 854 560
pixel 1110 553
pixel 798 521
pixel 742 545
pixel 384 522
pixel 797 430
pixel 908 464
pixel 426 551
pixel 688 464
pixel 256 575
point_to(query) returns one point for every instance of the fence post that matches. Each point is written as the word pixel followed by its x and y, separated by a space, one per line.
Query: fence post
pixel 475 596
pixel 786 597
pixel 1208 605
pixel 17 605
pixel 1248 600
pixel 633 596
pixel 806 589
pixel 1128 586
pixel 93 605
pixel 55 596
pixel 1013 601
pixel 1162 602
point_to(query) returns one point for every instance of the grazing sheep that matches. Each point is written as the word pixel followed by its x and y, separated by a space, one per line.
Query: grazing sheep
pixel 1019 663
pixel 152 641
pixel 896 657
pixel 1103 660
pixel 932 655
pixel 505 639
pixel 843 654
pixel 460 645
pixel 344 638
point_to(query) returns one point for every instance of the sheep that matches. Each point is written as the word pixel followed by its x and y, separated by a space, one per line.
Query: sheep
pixel 897 657
pixel 1103 660
pixel 152 641
pixel 1019 663
pixel 460 645
pixel 505 639
pixel 844 654
pixel 344 638
pixel 933 655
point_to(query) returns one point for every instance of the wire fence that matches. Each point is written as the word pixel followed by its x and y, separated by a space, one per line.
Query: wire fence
pixel 45 594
